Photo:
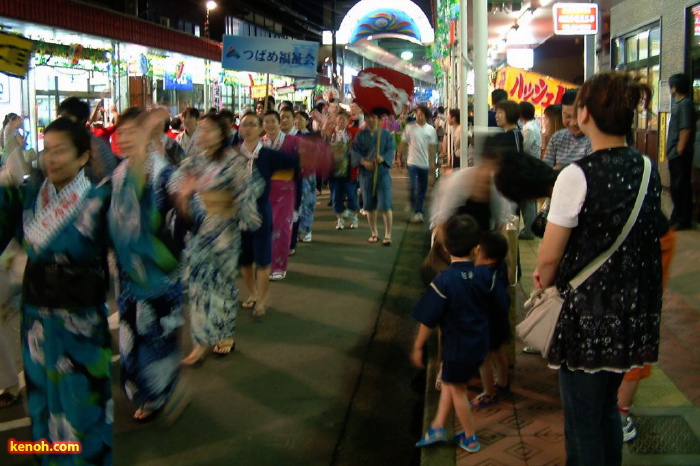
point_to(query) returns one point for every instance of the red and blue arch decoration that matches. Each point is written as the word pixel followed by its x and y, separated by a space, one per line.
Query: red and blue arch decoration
pixel 372 19
pixel 386 22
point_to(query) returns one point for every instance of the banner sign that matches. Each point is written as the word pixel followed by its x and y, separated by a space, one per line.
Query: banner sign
pixel 575 18
pixel 258 91
pixel 538 89
pixel 285 90
pixel 15 52
pixel 183 83
pixel 284 57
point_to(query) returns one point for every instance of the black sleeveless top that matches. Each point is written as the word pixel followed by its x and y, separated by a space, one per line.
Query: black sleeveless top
pixel 611 322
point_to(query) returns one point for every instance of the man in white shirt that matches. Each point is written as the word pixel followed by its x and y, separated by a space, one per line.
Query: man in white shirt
pixel 532 145
pixel 188 138
pixel 422 142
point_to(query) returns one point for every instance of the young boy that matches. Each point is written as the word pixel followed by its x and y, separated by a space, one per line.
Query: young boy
pixel 493 249
pixel 457 300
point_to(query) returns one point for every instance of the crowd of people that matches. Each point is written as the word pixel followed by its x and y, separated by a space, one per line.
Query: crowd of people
pixel 183 205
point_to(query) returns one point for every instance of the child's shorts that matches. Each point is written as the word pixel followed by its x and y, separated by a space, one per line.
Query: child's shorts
pixel 459 372
pixel 638 373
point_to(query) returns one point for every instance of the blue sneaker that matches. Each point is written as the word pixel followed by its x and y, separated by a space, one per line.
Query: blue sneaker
pixel 470 444
pixel 432 436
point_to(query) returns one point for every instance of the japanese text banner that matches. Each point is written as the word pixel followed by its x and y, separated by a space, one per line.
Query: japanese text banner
pixel 538 89
pixel 284 57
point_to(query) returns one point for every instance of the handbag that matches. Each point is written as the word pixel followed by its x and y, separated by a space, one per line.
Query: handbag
pixel 540 222
pixel 544 306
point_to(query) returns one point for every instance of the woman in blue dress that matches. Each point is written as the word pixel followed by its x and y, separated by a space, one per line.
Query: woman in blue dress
pixel 61 224
pixel 217 193
pixel 148 239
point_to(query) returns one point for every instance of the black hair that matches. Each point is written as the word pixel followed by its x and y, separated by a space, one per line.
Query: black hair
pixel 190 111
pixel 254 115
pixel 461 233
pixel 78 133
pixel 569 97
pixel 511 109
pixel 272 112
pixel 378 111
pixel 302 114
pixel 454 113
pixel 425 111
pixel 8 118
pixel 494 245
pixel 681 82
pixel 176 123
pixel 498 95
pixel 225 113
pixel 527 110
pixel 522 177
pixel 225 129
pixel 286 108
pixel 441 109
pixel 76 108
pixel 319 106
pixel 130 114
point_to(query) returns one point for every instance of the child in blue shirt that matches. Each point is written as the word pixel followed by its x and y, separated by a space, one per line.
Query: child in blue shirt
pixel 457 301
pixel 493 249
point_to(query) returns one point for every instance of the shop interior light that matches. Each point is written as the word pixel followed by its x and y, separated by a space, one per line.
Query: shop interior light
pixel 427 67
pixel 406 55
pixel 211 5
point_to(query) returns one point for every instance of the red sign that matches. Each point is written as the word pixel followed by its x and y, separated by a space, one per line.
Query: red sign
pixel 696 16
pixel 575 18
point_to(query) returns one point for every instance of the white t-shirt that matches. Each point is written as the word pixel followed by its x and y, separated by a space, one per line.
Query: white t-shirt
pixel 567 197
pixel 419 138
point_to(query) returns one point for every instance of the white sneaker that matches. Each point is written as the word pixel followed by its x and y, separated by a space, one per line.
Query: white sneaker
pixel 277 276
pixel 347 213
pixel 306 238
pixel 340 225
pixel 628 430
pixel 417 217
pixel 354 223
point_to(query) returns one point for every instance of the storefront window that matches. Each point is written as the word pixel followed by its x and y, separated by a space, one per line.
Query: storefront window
pixel 631 46
pixel 643 38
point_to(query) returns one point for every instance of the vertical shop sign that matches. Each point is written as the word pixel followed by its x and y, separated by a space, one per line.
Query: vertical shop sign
pixel 284 57
pixel 216 95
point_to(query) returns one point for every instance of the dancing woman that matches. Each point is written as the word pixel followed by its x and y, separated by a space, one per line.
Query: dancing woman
pixel 217 194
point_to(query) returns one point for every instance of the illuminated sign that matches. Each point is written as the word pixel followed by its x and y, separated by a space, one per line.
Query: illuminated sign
pixel 540 90
pixel 696 17
pixel 575 18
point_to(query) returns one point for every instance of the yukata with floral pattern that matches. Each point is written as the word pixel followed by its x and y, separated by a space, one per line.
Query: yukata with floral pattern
pixel 212 255
pixel 148 241
pixel 65 348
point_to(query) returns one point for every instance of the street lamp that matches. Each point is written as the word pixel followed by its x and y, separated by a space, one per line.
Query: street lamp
pixel 210 6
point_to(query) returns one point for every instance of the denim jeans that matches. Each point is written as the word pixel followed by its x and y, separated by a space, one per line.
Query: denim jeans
pixel 341 190
pixel 591 420
pixel 419 185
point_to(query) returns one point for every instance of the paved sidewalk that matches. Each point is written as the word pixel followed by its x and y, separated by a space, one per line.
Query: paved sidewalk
pixel 526 428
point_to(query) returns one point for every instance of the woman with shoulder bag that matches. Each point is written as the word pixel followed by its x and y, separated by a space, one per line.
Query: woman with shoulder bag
pixel 610 323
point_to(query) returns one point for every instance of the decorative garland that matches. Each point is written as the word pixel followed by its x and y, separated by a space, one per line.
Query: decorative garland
pixel 75 52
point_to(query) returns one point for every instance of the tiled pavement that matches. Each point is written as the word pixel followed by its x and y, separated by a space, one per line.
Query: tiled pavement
pixel 526 427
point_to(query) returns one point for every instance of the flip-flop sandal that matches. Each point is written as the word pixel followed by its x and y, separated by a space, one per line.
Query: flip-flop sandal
pixel 7 399
pixel 149 415
pixel 372 239
pixel 484 400
pixel 223 349
pixel 249 303
pixel 386 242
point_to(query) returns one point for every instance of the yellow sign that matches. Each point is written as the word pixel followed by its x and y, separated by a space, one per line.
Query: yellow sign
pixel 538 89
pixel 258 92
pixel 15 52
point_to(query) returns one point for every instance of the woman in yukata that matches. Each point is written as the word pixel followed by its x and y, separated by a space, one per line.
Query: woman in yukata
pixel 148 240
pixel 282 195
pixel 61 224
pixel 215 192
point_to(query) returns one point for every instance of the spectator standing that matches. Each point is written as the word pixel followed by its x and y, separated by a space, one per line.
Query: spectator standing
pixel 532 145
pixel 422 142
pixel 551 123
pixel 569 145
pixel 188 138
pixel 679 151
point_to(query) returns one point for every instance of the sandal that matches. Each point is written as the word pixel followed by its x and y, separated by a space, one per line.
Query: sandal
pixel 386 242
pixel 432 436
pixel 470 444
pixel 249 303
pixel 373 239
pixel 196 357
pixel 7 399
pixel 224 347
pixel 484 400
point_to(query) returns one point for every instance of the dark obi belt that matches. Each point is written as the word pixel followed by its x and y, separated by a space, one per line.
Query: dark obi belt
pixel 64 286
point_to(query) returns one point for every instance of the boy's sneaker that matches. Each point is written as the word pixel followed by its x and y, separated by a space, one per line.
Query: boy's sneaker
pixel 347 213
pixel 417 217
pixel 354 223
pixel 306 238
pixel 340 224
pixel 628 430
pixel 470 444
pixel 432 436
